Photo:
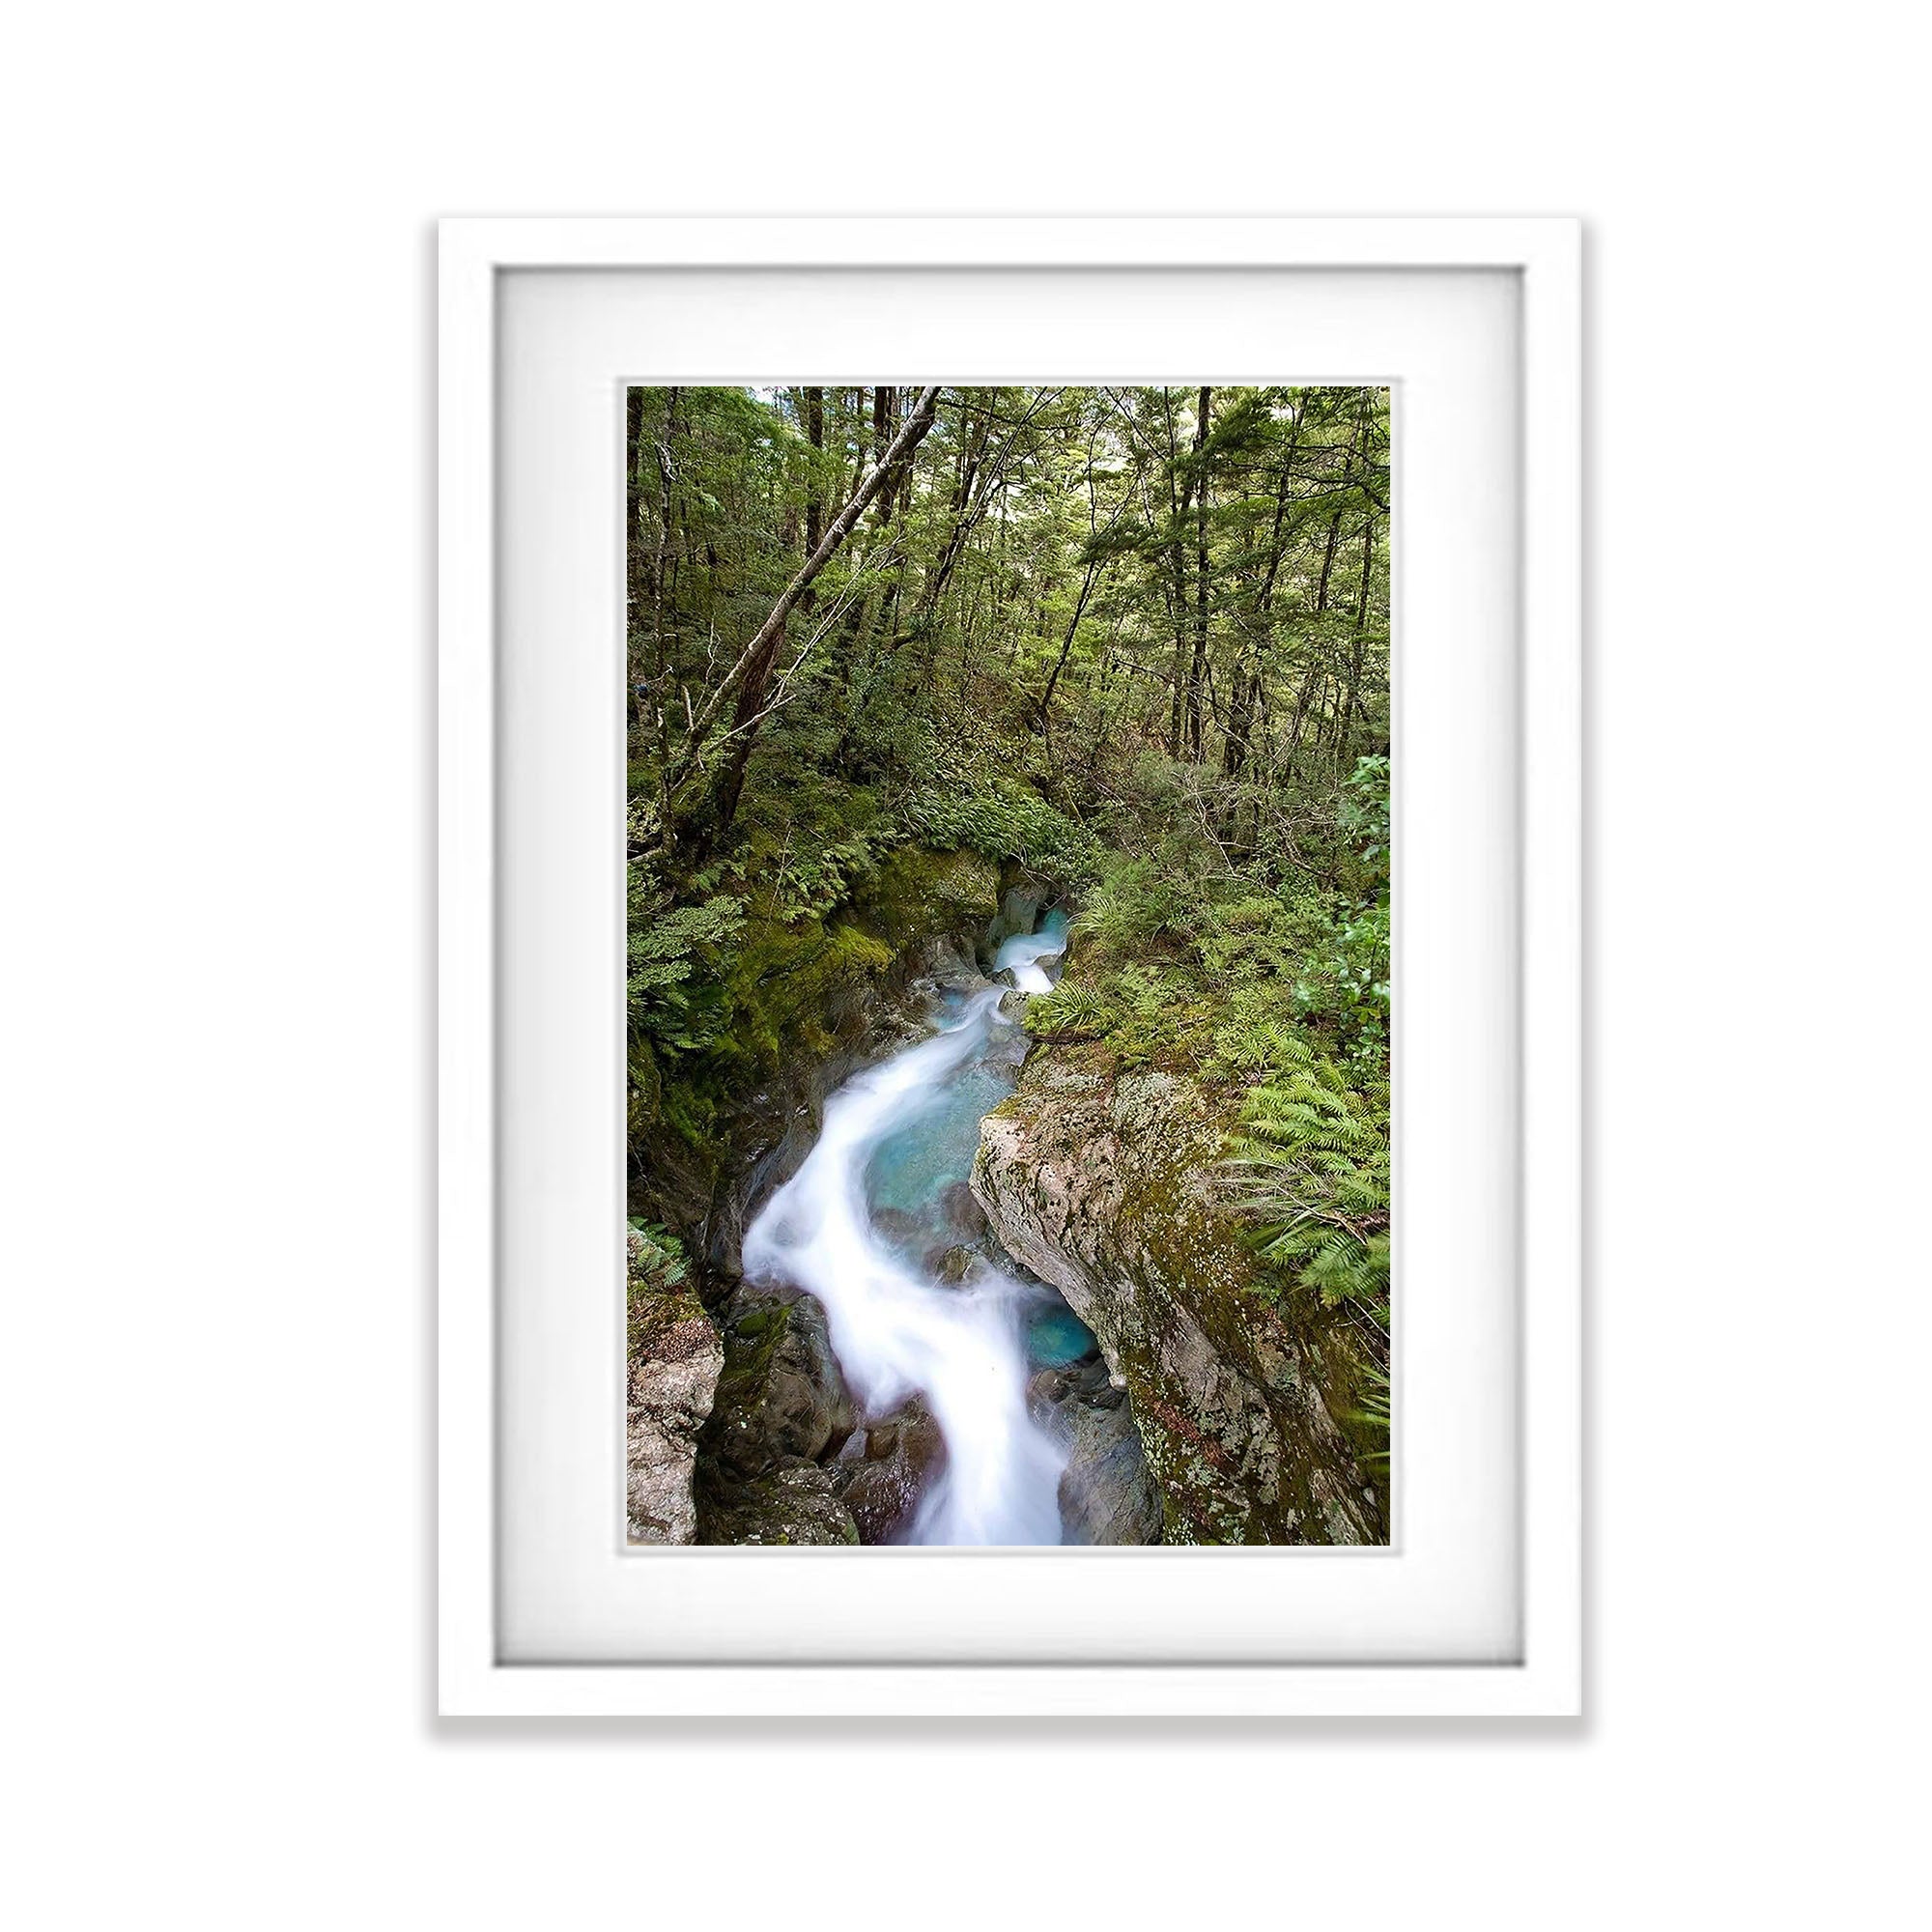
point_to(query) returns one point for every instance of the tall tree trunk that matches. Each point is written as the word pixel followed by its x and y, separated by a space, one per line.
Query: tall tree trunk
pixel 1177 506
pixel 1276 547
pixel 1312 679
pixel 969 488
pixel 1066 645
pixel 1244 701
pixel 859 437
pixel 659 654
pixel 1087 583
pixel 885 407
pixel 637 577
pixel 976 478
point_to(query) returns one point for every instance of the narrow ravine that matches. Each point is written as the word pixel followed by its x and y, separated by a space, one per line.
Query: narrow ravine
pixel 878 1224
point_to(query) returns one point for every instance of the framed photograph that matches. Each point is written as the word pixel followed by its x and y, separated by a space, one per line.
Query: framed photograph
pixel 1010 967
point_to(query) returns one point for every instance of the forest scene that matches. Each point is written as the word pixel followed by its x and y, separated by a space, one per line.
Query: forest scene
pixel 1009 965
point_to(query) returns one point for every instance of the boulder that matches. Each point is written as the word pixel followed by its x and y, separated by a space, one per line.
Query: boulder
pixel 904 1454
pixel 782 1409
pixel 963 1215
pixel 1019 913
pixel 1020 907
pixel 947 962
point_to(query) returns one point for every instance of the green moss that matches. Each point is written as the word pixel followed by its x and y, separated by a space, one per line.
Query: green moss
pixel 918 895
pixel 749 1344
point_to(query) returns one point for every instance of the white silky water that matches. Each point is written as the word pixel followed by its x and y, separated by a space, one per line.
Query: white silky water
pixel 856 1227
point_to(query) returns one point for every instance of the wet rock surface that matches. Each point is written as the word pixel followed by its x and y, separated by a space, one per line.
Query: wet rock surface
pixel 1107 1493
pixel 791 1504
pixel 887 1469
pixel 787 1459
pixel 1019 913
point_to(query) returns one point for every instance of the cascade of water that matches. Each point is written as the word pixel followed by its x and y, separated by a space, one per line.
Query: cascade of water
pixel 1024 952
pixel 896 1137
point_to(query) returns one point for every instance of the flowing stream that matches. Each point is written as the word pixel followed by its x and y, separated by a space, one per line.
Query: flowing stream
pixel 873 1224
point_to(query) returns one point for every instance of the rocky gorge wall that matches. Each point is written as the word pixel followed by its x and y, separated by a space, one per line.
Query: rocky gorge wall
pixel 1101 1183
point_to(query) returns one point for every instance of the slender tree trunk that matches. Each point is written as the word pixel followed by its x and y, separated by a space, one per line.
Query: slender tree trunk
pixel 1311 680
pixel 1066 645
pixel 859 437
pixel 1327 564
pixel 979 481
pixel 1283 487
pixel 1243 701
pixel 638 577
pixel 1352 703
pixel 1198 670
pixel 969 489
pixel 814 504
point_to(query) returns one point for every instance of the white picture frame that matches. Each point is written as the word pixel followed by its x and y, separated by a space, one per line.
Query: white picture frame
pixel 1545 1679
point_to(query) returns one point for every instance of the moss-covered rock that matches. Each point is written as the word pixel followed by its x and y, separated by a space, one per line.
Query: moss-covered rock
pixel 916 895
pixel 781 1394
pixel 782 1409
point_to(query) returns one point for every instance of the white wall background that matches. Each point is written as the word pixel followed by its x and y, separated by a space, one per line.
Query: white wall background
pixel 212 800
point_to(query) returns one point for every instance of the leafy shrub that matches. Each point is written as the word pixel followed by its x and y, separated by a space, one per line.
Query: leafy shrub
pixel 656 1262
pixel 675 953
pixel 1136 902
pixel 814 884
pixel 969 799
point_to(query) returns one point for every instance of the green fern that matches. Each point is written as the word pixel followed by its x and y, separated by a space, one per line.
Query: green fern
pixel 1373 1407
pixel 1311 1160
pixel 1069 1012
